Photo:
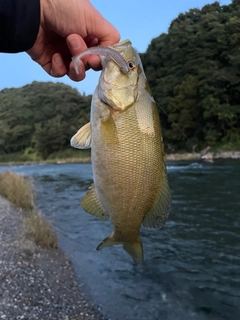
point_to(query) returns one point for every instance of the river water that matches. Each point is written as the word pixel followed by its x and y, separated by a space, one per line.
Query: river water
pixel 192 266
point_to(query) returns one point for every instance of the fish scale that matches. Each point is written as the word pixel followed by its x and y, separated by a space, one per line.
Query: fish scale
pixel 129 170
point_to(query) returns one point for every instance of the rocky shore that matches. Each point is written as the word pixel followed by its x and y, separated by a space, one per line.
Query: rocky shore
pixel 204 155
pixel 36 283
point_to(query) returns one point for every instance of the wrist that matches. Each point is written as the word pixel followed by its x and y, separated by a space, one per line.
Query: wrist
pixel 47 12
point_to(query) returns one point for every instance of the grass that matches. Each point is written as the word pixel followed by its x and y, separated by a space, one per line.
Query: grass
pixel 223 147
pixel 20 192
pixel 17 189
pixel 19 157
pixel 70 155
pixel 39 230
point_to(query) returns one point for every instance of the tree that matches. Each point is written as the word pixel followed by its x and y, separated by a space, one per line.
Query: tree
pixel 42 116
pixel 193 72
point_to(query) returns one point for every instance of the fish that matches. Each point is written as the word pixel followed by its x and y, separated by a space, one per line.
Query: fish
pixel 130 183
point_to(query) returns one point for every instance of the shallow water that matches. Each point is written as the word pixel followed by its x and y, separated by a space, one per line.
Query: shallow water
pixel 192 266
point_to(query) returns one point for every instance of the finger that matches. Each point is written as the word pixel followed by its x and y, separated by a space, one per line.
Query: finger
pixel 77 76
pixel 100 28
pixel 47 67
pixel 58 68
pixel 91 41
pixel 108 38
pixel 77 45
pixel 94 62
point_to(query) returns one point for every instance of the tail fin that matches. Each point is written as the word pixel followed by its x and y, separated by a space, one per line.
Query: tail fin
pixel 134 249
pixel 108 242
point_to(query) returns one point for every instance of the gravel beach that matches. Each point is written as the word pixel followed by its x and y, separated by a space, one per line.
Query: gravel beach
pixel 36 283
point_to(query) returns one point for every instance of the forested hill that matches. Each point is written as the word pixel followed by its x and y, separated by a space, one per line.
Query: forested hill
pixel 40 117
pixel 194 73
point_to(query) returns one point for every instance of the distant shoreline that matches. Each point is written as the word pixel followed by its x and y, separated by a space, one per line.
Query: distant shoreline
pixel 208 156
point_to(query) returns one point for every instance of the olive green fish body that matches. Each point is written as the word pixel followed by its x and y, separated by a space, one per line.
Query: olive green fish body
pixel 129 171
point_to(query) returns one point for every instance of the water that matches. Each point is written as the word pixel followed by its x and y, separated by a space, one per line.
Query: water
pixel 192 266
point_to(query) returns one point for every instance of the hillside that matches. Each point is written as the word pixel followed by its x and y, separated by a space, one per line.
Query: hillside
pixel 193 71
pixel 194 74
pixel 40 118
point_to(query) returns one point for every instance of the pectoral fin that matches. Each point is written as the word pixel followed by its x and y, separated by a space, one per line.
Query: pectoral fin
pixel 157 216
pixel 82 139
pixel 92 204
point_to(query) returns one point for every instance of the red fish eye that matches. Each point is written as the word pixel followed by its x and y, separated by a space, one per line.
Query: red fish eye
pixel 131 65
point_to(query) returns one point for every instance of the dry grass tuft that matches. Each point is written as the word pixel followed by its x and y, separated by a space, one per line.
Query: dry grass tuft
pixel 17 189
pixel 39 230
pixel 20 192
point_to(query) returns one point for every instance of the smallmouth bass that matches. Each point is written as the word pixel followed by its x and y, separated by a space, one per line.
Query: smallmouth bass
pixel 129 171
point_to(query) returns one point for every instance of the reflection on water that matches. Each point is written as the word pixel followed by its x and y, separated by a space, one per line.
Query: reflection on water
pixel 192 267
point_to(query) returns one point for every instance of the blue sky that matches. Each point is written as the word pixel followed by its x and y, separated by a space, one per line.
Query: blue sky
pixel 139 21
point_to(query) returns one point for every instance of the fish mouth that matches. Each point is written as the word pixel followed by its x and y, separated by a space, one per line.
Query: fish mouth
pixel 114 53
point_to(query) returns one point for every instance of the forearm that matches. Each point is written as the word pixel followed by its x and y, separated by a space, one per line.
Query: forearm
pixel 19 24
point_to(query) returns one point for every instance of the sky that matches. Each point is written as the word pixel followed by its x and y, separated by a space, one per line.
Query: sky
pixel 138 21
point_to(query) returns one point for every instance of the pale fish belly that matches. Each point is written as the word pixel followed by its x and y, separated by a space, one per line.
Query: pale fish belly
pixel 127 166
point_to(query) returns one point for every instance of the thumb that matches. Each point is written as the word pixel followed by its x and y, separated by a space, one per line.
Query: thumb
pixel 98 27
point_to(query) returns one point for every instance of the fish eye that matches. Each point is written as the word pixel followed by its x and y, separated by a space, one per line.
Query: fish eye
pixel 131 65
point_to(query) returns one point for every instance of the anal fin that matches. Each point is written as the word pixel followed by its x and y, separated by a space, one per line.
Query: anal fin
pixel 92 204
pixel 159 212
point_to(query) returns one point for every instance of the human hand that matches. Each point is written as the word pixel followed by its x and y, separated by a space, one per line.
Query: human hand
pixel 66 29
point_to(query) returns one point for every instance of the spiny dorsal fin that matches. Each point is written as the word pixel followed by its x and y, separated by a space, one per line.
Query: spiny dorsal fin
pixel 157 216
pixel 82 139
pixel 92 204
